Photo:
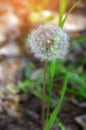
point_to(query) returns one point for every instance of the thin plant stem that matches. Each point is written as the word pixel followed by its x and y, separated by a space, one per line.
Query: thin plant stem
pixel 44 95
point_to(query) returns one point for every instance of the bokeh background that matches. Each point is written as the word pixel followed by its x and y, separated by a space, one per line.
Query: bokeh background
pixel 18 65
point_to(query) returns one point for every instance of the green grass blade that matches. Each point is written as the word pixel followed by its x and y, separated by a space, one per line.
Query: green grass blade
pixel 60 124
pixel 52 69
pixel 24 84
pixel 70 10
pixel 57 108
pixel 52 73
pixel 81 39
pixel 62 8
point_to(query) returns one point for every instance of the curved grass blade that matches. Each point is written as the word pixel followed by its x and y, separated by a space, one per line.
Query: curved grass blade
pixel 57 108
pixel 70 11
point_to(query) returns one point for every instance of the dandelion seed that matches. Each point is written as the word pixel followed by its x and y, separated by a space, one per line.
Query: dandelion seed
pixel 49 42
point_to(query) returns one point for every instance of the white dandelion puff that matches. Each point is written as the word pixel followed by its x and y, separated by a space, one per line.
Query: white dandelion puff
pixel 49 42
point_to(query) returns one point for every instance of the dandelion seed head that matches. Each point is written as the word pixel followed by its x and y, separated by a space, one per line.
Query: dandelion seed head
pixel 49 42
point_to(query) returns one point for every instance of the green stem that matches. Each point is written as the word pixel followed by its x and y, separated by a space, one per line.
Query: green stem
pixel 44 95
pixel 52 73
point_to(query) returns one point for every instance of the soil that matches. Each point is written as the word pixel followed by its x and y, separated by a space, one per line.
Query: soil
pixel 23 112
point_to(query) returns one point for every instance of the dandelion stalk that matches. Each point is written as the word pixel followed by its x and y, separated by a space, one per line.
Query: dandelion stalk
pixel 44 95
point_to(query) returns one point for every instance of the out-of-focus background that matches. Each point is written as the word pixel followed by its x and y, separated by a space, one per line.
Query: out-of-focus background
pixel 17 63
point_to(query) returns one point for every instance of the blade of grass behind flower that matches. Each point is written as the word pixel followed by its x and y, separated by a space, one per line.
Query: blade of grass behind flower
pixel 62 8
pixel 70 11
pixel 57 108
